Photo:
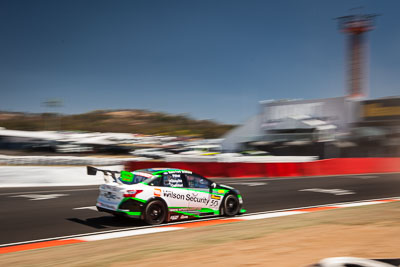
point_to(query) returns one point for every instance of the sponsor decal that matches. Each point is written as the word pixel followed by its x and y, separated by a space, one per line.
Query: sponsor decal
pixel 178 171
pixel 194 198
pixel 157 192
pixel 213 203
pixel 174 182
pixel 188 197
pixel 221 191
pixel 183 209
pixel 170 194
pixel 174 217
pixel 216 197
pixel 109 195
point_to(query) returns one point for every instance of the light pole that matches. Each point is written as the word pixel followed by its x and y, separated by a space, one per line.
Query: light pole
pixel 53 103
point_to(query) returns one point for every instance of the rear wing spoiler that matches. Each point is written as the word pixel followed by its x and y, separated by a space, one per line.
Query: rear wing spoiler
pixel 124 175
pixel 107 174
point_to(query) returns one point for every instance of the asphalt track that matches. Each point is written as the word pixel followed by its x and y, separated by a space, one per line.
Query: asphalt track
pixel 46 212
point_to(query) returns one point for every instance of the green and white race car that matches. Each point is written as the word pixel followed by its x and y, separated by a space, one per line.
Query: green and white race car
pixel 160 195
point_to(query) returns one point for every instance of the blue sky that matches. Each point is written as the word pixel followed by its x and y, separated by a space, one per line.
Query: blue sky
pixel 210 59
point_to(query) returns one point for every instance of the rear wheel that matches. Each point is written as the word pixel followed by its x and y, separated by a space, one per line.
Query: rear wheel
pixel 155 212
pixel 231 205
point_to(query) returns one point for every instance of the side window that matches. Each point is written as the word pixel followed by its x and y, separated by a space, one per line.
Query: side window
pixel 172 180
pixel 196 181
pixel 155 182
pixel 130 178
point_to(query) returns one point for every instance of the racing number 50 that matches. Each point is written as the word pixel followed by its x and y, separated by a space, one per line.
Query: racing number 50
pixel 213 203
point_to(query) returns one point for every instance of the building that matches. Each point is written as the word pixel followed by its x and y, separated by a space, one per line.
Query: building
pixel 330 127
pixel 293 120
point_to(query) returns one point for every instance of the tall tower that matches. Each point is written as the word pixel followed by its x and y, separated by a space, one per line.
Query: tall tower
pixel 355 26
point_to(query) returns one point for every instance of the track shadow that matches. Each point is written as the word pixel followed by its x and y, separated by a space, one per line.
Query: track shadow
pixel 107 222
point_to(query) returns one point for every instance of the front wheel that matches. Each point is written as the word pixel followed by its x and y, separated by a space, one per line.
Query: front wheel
pixel 231 205
pixel 155 212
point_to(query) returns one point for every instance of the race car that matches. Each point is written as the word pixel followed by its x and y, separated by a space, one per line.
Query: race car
pixel 159 195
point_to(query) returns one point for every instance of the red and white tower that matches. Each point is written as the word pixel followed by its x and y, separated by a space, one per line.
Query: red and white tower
pixel 355 26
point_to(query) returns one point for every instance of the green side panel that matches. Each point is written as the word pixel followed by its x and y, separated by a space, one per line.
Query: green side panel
pixel 133 213
pixel 188 214
pixel 207 210
pixel 219 191
pixel 135 198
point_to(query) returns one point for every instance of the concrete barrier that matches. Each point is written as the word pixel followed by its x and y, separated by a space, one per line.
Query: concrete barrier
pixel 64 160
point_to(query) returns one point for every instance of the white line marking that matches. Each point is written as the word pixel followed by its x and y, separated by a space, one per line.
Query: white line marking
pixel 272 215
pixel 337 192
pixel 42 197
pixel 129 233
pixel 249 183
pixel 48 191
pixel 357 204
pixel 86 208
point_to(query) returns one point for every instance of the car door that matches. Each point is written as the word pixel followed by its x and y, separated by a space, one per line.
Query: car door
pixel 172 191
pixel 199 197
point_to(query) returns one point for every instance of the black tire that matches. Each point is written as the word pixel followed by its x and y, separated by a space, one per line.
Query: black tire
pixel 155 212
pixel 231 205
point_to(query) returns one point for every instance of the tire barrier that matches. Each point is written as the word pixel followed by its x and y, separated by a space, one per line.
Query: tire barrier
pixel 339 166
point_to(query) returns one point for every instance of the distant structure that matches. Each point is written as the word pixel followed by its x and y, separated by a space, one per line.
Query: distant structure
pixel 355 26
pixel 345 126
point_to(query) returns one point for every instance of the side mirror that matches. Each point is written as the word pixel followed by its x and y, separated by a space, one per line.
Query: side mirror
pixel 213 186
pixel 91 170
